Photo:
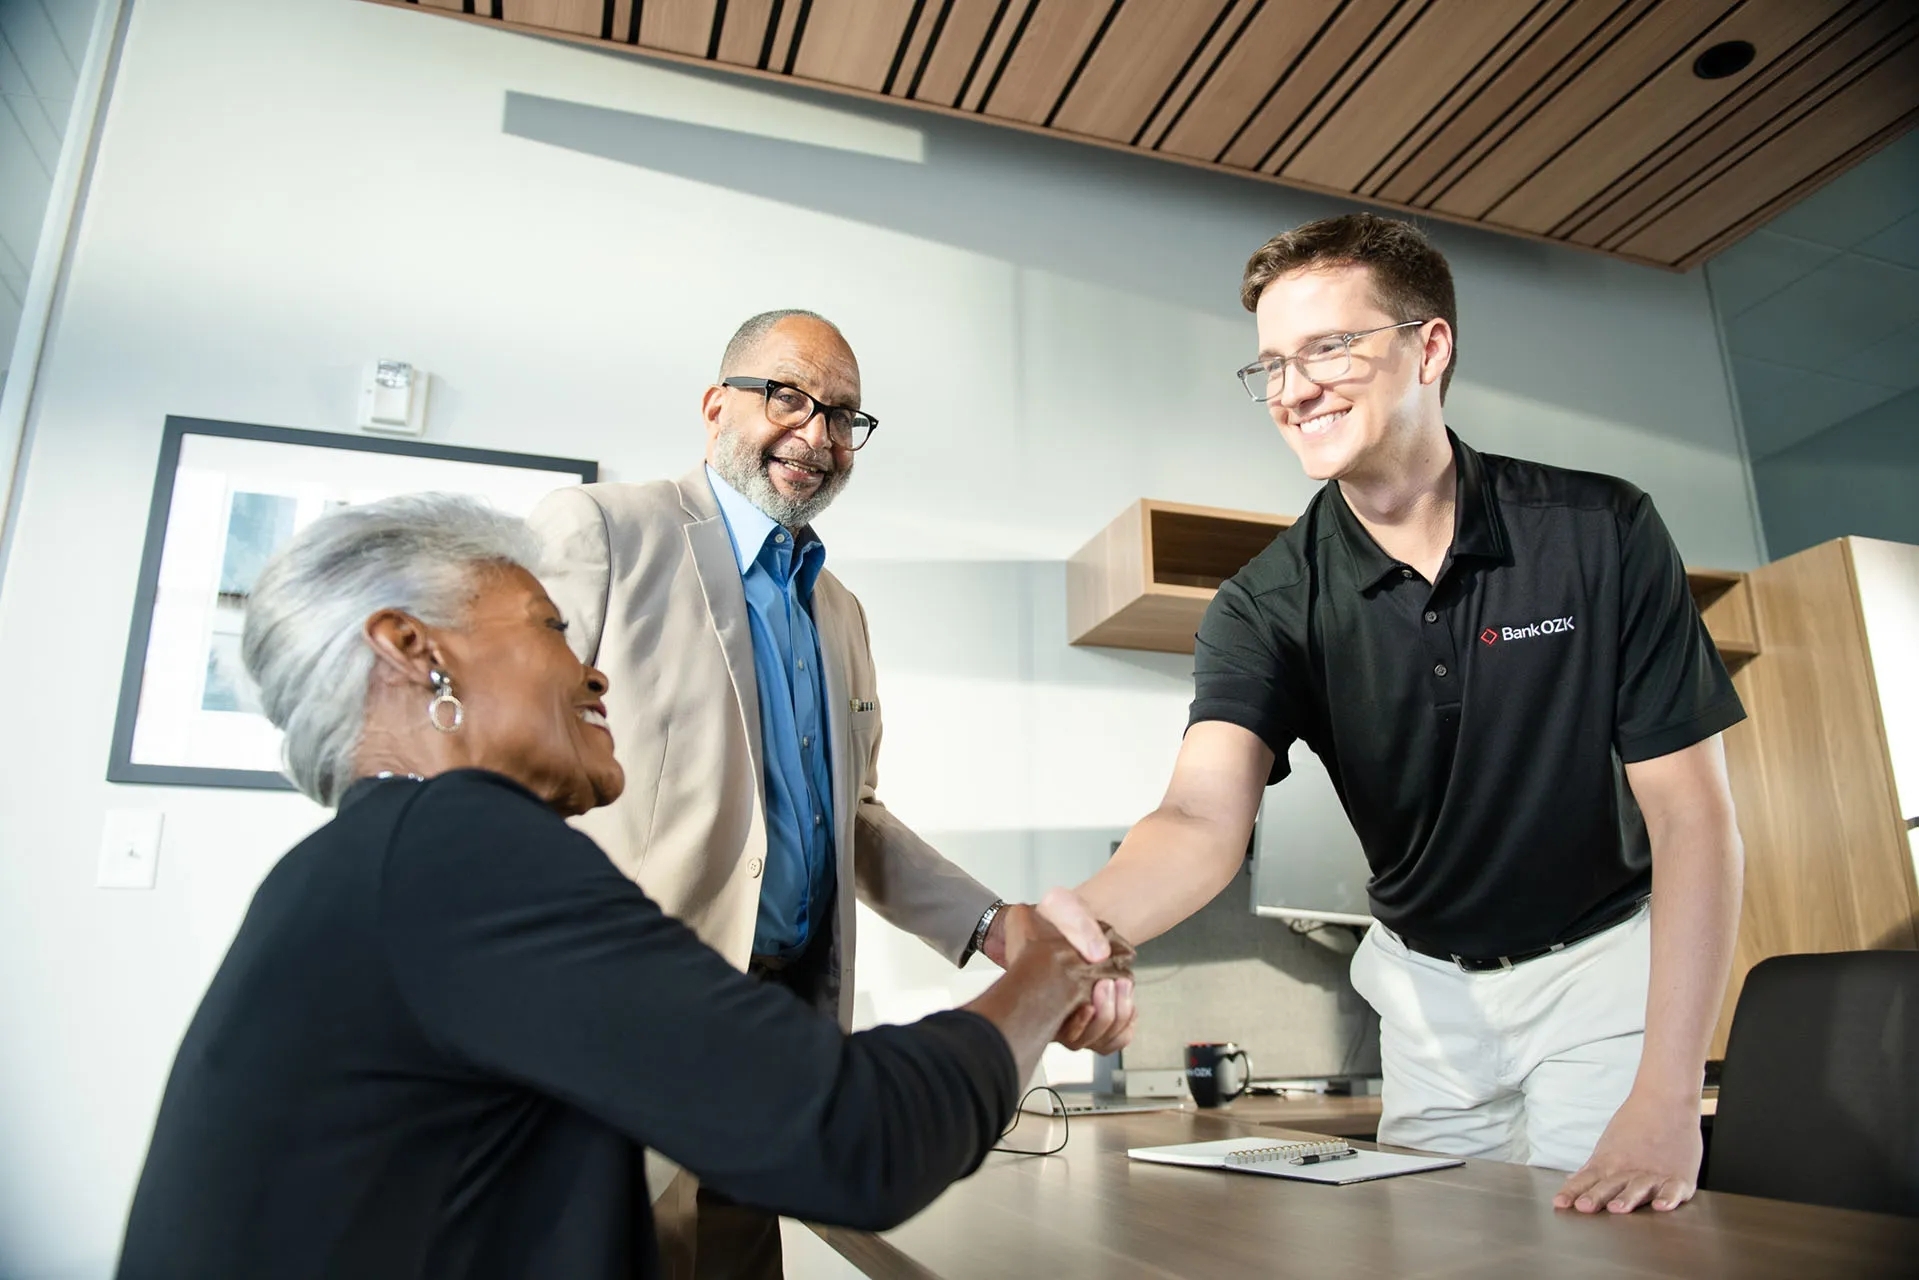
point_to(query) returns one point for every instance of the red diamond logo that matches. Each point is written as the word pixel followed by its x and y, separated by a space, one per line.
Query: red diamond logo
pixel 1489 635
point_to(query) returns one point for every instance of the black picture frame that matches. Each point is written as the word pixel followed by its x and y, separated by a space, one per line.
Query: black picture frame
pixel 178 437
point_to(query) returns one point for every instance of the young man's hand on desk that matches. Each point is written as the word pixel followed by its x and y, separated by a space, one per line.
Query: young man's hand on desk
pixel 1649 1154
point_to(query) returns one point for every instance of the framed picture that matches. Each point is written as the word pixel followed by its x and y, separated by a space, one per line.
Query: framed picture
pixel 227 496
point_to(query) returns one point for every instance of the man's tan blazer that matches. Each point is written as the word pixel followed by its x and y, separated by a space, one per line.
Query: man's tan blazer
pixel 647 579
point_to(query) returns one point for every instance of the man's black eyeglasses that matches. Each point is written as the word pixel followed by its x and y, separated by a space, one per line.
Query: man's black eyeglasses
pixel 787 406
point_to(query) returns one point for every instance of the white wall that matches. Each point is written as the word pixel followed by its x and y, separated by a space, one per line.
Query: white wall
pixel 286 190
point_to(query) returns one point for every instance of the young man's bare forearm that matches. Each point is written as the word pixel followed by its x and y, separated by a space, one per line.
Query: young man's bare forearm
pixel 1170 865
pixel 1698 872
pixel 1180 855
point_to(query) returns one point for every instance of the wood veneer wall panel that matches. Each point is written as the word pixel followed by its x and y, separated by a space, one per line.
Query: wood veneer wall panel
pixel 1557 125
pixel 582 17
pixel 1143 51
pixel 1730 622
pixel 623 26
pixel 743 32
pixel 1524 86
pixel 853 44
pixel 1765 107
pixel 919 46
pixel 1828 867
pixel 1856 116
pixel 1388 37
pixel 1600 85
pixel 968 25
pixel 1052 43
pixel 1442 48
pixel 1830 790
pixel 1648 118
pixel 1237 15
pixel 1108 573
pixel 786 29
pixel 1270 39
pixel 1385 38
pixel 1332 51
pixel 1718 166
pixel 678 26
pixel 983 76
pixel 1467 92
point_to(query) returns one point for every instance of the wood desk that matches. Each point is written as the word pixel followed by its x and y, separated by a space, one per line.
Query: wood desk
pixel 1329 1114
pixel 1090 1212
pixel 1342 1117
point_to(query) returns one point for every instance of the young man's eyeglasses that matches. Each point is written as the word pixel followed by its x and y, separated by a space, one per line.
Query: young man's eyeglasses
pixel 1325 359
pixel 787 406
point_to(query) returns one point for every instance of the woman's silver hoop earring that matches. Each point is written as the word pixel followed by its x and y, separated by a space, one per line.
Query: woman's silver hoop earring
pixel 443 697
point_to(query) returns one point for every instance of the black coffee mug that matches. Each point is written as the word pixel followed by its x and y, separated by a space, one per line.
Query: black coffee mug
pixel 1207 1075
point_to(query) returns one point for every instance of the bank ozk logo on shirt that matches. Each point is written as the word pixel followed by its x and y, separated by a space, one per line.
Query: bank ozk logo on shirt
pixel 1545 627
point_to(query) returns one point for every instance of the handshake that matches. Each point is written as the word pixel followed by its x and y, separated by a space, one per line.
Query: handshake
pixel 1068 978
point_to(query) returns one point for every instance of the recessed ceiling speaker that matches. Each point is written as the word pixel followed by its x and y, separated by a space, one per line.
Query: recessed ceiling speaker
pixel 1727 58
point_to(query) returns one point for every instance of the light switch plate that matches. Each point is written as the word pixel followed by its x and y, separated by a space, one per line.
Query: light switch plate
pixel 129 849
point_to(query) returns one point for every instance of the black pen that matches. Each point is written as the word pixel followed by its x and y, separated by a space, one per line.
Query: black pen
pixel 1347 1154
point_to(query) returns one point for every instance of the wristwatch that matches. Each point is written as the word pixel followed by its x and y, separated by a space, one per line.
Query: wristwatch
pixel 979 931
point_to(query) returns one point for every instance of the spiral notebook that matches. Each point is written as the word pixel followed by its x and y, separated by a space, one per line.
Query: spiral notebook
pixel 1334 1163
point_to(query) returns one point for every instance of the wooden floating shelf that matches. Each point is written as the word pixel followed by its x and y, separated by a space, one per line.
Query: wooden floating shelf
pixel 1144 582
pixel 1725 602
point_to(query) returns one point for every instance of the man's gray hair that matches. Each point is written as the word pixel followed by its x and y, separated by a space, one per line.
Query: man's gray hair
pixel 304 643
pixel 747 338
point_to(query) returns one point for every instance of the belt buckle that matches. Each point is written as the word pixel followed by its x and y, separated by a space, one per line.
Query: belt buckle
pixel 1466 966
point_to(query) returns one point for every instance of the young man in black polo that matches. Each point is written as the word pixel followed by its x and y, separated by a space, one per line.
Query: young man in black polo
pixel 1501 667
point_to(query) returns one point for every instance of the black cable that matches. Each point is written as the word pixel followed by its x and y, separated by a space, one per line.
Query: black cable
pixel 1019 1113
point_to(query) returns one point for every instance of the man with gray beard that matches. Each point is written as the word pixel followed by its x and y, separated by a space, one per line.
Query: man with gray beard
pixel 744 710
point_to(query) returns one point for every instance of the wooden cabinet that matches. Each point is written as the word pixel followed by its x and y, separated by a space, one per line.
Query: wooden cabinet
pixel 1145 581
pixel 1824 650
pixel 1825 770
pixel 1725 604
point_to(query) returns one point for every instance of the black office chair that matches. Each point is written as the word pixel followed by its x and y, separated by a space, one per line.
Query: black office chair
pixel 1819 1100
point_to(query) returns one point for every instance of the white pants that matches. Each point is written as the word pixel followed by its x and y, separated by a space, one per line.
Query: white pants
pixel 1525 1064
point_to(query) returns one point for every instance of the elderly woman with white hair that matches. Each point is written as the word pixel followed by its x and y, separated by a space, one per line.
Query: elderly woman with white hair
pixel 448 1025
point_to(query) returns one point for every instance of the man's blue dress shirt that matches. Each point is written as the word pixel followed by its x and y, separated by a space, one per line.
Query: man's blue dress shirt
pixel 799 876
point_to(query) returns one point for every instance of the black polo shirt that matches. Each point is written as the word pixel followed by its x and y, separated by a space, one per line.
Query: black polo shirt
pixel 1476 728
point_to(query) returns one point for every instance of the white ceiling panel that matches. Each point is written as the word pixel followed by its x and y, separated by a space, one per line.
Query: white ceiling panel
pixel 31 117
pixel 73 23
pixel 1781 406
pixel 1892 362
pixel 1897 243
pixel 24 182
pixel 1858 204
pixel 1821 307
pixel 13 76
pixel 1823 320
pixel 42 43
pixel 9 326
pixel 1761 265
pixel 51 69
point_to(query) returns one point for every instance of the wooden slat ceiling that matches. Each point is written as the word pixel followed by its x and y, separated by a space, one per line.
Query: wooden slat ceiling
pixel 1578 121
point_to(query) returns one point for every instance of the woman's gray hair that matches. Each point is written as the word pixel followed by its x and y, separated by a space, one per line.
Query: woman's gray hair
pixel 305 644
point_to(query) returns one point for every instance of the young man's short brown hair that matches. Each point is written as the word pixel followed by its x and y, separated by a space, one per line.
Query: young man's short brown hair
pixel 1410 277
